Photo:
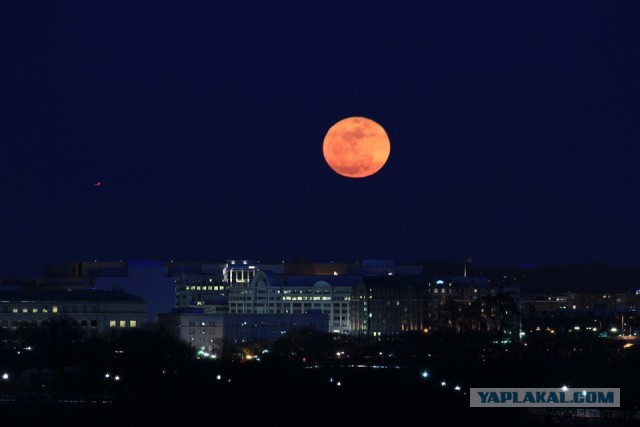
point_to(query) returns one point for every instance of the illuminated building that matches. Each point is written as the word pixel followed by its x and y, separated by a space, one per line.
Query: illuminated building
pixel 206 291
pixel 239 272
pixel 269 293
pixel 163 285
pixel 94 311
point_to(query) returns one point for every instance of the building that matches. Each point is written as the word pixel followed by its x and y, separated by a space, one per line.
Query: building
pixel 206 291
pixel 544 306
pixel 207 287
pixel 148 279
pixel 239 272
pixel 269 293
pixel 385 306
pixel 605 313
pixel 449 299
pixel 243 328
pixel 211 332
pixel 95 311
pixel 202 330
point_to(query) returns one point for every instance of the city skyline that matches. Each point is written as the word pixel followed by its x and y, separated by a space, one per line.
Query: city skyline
pixel 195 131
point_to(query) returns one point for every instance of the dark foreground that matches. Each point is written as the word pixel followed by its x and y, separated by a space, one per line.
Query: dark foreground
pixel 271 394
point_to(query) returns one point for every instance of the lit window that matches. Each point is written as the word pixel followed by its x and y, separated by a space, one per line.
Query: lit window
pixel 123 323
pixel 15 309
pixel 25 310
pixel 54 309
pixel 112 323
pixel 45 310
pixel 35 310
pixel 133 323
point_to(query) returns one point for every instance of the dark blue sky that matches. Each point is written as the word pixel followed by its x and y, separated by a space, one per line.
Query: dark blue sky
pixel 514 128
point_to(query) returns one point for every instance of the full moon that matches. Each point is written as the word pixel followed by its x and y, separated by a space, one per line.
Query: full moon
pixel 356 147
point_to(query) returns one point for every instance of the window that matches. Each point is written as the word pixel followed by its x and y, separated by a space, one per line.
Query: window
pixel 15 309
pixel 133 323
pixel 35 310
pixel 25 310
pixel 112 323
pixel 123 323
pixel 54 309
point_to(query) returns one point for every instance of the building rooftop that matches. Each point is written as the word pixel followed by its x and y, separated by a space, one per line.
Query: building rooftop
pixel 76 295
pixel 312 280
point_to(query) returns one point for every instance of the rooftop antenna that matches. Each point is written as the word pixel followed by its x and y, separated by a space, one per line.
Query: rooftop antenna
pixel 466 261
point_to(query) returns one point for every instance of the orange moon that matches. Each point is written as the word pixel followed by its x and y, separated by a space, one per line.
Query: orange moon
pixel 356 147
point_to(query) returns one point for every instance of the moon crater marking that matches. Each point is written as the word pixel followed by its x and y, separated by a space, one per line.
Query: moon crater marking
pixel 356 147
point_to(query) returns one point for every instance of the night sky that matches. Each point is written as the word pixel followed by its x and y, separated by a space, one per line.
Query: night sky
pixel 514 128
